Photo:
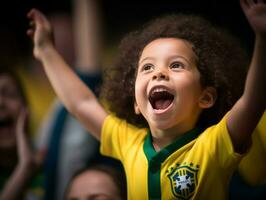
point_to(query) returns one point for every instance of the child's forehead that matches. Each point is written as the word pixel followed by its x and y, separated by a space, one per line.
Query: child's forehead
pixel 171 39
pixel 168 46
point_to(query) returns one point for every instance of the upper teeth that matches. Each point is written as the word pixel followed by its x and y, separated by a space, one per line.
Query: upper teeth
pixel 158 90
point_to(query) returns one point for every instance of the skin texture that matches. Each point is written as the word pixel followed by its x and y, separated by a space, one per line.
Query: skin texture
pixel 177 73
pixel 93 185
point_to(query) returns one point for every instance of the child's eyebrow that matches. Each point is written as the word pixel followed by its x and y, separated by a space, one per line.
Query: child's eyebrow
pixel 182 57
pixel 171 57
pixel 146 58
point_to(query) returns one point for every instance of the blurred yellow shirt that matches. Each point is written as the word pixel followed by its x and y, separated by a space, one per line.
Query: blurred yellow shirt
pixel 39 94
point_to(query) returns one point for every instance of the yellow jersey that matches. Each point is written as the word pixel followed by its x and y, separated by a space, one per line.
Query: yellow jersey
pixel 198 165
pixel 252 168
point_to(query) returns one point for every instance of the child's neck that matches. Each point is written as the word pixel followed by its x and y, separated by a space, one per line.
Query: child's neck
pixel 162 138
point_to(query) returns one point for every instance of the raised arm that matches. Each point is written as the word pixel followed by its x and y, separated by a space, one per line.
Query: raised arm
pixel 248 110
pixel 78 99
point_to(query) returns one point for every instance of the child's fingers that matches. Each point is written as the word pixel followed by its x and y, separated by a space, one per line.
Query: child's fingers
pixel 30 14
pixel 30 33
pixel 37 17
pixel 33 14
pixel 31 29
pixel 38 23
pixel 34 19
pixel 244 4
pixel 32 24
pixel 41 17
pixel 250 2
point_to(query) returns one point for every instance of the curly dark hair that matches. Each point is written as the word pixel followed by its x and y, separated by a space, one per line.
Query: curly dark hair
pixel 222 63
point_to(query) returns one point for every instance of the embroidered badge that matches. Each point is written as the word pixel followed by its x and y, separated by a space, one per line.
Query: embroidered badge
pixel 183 180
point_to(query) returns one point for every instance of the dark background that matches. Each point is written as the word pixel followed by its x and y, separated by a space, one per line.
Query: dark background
pixel 119 17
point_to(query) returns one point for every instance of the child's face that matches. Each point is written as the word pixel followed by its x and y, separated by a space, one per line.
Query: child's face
pixel 167 87
pixel 10 106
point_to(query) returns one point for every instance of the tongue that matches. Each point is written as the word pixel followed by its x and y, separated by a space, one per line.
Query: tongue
pixel 162 104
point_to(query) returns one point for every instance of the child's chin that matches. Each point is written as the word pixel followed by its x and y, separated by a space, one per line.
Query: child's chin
pixel 161 124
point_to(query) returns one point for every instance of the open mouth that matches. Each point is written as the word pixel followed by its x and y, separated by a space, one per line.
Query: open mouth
pixel 160 98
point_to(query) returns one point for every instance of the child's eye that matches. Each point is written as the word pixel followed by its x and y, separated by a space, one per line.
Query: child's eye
pixel 147 67
pixel 177 65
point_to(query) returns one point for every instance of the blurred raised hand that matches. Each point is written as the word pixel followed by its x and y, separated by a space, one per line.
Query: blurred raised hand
pixel 26 155
pixel 28 161
pixel 40 31
pixel 255 12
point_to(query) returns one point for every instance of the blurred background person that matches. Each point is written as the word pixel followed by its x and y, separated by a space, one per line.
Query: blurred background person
pixel 18 163
pixel 99 181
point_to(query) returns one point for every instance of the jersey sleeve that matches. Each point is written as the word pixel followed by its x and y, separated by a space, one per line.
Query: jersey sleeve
pixel 219 146
pixel 116 137
pixel 254 174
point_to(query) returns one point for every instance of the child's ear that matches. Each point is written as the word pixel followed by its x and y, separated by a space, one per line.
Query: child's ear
pixel 208 97
pixel 136 108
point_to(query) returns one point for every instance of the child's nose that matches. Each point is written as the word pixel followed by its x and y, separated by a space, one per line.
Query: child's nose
pixel 160 75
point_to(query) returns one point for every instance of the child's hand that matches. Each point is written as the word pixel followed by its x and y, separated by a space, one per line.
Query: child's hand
pixel 40 31
pixel 256 15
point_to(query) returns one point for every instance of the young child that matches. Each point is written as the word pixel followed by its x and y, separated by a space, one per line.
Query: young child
pixel 174 78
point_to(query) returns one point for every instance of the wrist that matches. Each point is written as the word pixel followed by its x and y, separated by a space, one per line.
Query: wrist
pixel 45 51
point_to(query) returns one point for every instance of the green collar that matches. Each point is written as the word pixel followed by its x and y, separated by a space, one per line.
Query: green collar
pixel 156 158
pixel 159 157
